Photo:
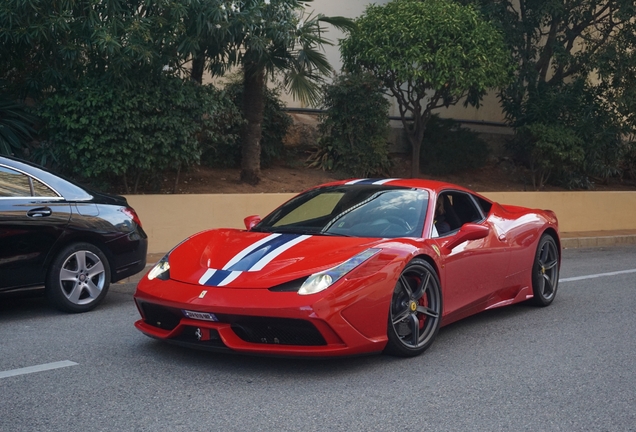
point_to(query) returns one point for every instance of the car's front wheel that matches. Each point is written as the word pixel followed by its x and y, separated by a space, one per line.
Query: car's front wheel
pixel 416 310
pixel 78 278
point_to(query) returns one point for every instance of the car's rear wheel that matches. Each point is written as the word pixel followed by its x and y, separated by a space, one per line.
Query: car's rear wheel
pixel 416 310
pixel 78 278
pixel 545 271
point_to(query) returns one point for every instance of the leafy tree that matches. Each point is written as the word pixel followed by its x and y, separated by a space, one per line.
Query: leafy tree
pixel 429 54
pixel 355 127
pixel 581 50
pixel 45 44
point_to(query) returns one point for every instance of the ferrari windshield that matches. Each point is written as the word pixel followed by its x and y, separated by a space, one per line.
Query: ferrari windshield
pixel 352 210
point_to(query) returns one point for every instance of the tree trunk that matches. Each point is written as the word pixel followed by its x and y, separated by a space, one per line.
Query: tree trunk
pixel 416 135
pixel 253 106
pixel 198 66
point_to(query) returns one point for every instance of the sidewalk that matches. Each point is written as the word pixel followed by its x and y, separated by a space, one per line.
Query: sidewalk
pixel 570 240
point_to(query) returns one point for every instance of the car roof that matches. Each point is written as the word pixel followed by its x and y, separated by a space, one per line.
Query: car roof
pixel 68 189
pixel 429 185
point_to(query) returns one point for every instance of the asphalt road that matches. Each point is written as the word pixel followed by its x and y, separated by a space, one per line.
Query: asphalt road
pixel 568 367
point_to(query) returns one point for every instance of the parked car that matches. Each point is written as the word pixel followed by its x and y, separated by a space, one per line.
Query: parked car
pixel 57 234
pixel 351 267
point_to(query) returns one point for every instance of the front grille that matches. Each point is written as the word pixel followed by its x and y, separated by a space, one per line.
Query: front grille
pixel 160 316
pixel 282 331
pixel 262 330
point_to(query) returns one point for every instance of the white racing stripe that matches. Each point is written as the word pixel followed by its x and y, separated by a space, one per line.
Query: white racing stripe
pixel 273 254
pixel 207 275
pixel 38 368
pixel 598 275
pixel 230 278
pixel 249 249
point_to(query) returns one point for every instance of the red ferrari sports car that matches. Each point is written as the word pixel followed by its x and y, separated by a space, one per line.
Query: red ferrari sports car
pixel 351 267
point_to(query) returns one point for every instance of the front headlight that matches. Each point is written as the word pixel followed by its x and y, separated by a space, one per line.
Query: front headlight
pixel 321 281
pixel 161 270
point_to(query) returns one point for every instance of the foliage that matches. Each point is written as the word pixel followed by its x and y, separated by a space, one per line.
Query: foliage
pixel 448 148
pixel 582 110
pixel 355 127
pixel 16 126
pixel 102 131
pixel 429 54
pixel 582 45
pixel 45 44
pixel 551 148
pixel 264 38
pixel 275 125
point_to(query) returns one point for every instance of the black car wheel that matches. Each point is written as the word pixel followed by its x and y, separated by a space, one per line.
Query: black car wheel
pixel 545 271
pixel 79 278
pixel 416 310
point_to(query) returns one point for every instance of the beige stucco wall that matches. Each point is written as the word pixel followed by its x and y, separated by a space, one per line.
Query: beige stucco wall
pixel 168 219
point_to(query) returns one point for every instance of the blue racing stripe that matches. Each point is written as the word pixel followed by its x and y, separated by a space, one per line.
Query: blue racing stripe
pixel 248 261
pixel 218 277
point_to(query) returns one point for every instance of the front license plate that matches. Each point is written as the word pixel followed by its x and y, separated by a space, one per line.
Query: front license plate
pixel 203 316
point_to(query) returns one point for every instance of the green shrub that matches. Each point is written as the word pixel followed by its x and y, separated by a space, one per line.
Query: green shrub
pixel 103 131
pixel 552 150
pixel 16 126
pixel 355 128
pixel 274 128
pixel 448 148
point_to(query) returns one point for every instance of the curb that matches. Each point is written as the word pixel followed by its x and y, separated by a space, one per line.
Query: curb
pixel 597 241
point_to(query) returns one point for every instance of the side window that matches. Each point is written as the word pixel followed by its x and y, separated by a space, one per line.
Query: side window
pixel 452 210
pixel 42 190
pixel 13 183
pixel 485 205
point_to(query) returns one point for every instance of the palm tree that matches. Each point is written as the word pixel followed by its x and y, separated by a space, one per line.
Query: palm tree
pixel 266 38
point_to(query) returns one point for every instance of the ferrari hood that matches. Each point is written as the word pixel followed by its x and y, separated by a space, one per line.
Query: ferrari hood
pixel 243 259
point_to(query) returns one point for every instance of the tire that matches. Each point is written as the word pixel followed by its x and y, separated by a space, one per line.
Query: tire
pixel 78 278
pixel 415 312
pixel 545 272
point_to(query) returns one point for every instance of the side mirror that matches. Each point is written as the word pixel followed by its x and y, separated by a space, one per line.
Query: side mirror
pixel 251 221
pixel 469 231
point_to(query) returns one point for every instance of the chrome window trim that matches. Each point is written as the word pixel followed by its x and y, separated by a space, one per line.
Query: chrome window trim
pixel 57 198
pixel 59 195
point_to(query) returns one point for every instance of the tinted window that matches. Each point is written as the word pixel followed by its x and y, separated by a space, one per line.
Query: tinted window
pixel 41 190
pixel 352 210
pixel 13 183
pixel 485 205
pixel 453 210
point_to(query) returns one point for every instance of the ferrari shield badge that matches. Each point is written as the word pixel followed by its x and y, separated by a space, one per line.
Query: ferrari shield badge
pixel 436 249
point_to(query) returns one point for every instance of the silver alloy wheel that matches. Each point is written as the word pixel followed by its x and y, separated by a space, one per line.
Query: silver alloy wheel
pixel 416 307
pixel 82 277
pixel 547 270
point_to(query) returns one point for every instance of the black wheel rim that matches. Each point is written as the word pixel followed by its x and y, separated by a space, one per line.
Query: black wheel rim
pixel 416 307
pixel 548 270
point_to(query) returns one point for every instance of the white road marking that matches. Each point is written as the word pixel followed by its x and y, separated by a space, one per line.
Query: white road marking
pixel 38 368
pixel 598 275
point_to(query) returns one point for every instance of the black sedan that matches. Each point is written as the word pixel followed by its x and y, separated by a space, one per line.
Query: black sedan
pixel 72 240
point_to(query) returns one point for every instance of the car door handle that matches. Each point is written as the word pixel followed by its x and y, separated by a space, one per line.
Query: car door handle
pixel 39 212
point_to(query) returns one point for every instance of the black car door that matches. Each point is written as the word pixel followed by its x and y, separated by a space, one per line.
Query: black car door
pixel 32 217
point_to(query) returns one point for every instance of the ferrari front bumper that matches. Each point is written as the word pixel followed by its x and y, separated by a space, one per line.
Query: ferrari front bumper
pixel 348 320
